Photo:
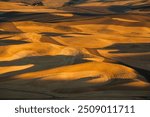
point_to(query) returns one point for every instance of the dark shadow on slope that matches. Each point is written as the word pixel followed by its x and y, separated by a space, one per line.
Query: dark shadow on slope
pixel 119 9
pixel 143 72
pixel 8 32
pixel 28 16
pixel 87 14
pixel 44 17
pixel 130 61
pixel 124 9
pixel 129 47
pixel 51 34
pixel 141 7
pixel 39 63
pixel 11 42
pixel 39 88
pixel 74 2
pixel 47 39
pixel 86 18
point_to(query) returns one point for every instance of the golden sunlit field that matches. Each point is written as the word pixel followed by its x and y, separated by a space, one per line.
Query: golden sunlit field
pixel 62 49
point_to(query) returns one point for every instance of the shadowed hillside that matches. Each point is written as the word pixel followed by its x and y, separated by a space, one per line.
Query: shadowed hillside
pixel 74 49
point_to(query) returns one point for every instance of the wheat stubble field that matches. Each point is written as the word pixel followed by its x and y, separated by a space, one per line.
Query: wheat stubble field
pixel 75 49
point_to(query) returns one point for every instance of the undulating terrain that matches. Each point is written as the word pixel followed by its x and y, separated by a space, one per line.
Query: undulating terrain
pixel 74 49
